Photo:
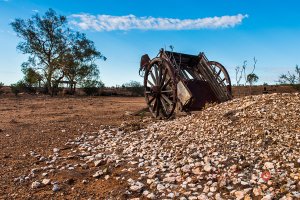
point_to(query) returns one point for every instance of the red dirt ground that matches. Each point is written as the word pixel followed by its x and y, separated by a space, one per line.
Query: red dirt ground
pixel 43 123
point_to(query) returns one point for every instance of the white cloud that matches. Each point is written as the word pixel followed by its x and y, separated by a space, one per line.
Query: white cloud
pixel 35 10
pixel 128 22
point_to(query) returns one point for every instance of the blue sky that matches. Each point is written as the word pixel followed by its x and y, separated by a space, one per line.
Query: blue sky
pixel 268 30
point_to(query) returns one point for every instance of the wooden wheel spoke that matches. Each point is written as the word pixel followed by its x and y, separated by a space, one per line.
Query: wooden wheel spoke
pixel 151 100
pixel 149 92
pixel 156 74
pixel 155 104
pixel 150 83
pixel 214 69
pixel 157 108
pixel 166 83
pixel 167 91
pixel 153 78
pixel 219 72
pixel 164 104
pixel 164 76
pixel 159 76
pixel 166 99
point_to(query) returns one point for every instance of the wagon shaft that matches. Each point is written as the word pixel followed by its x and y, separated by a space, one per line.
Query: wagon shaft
pixel 187 81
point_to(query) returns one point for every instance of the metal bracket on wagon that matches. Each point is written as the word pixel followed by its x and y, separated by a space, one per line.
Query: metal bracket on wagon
pixel 191 81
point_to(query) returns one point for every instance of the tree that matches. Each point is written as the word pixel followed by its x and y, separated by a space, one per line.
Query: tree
pixel 45 40
pixel 31 77
pixel 291 79
pixel 55 51
pixel 80 60
pixel 252 78
pixel 239 71
pixel 91 87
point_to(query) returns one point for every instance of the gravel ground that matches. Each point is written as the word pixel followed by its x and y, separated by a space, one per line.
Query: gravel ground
pixel 248 148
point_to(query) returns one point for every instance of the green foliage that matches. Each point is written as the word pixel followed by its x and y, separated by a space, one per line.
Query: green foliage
pixel 18 87
pixel 55 51
pixel 291 79
pixel 135 87
pixel 31 77
pixel 80 59
pixel 252 78
pixel 91 87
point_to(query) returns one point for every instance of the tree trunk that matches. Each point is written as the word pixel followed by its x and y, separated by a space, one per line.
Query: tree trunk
pixel 74 89
pixel 71 87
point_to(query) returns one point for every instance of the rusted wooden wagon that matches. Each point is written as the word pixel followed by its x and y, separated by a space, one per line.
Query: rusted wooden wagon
pixel 187 81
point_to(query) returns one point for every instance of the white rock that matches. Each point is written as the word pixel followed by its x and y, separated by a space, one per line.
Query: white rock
pixel 212 189
pixel 206 189
pixel 169 179
pixel 55 188
pixel 218 196
pixel 46 181
pixel 269 165
pixel 36 184
pixel 98 174
pixel 267 197
pixel 98 162
pixel 186 168
pixel 244 183
pixel 239 195
pixel 207 168
pixel 171 195
pixel 137 186
pixel 56 150
pixel 160 187
pixel 203 197
pixel 151 196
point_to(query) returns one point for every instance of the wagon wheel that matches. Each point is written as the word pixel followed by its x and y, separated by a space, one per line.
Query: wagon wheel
pixel 221 76
pixel 160 88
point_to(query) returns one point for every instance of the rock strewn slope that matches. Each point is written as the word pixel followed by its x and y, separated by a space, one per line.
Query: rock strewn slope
pixel 247 148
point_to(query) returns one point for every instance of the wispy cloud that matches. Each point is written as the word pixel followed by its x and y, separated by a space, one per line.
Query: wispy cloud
pixel 128 22
pixel 35 10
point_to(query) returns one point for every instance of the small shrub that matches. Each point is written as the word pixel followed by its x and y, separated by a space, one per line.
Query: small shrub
pixel 91 87
pixel 21 86
pixel 16 87
pixel 136 88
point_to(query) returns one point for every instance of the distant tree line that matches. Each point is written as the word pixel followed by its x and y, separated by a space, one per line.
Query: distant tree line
pixel 135 87
pixel 56 54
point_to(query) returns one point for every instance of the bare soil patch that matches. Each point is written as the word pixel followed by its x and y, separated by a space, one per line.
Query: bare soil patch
pixel 41 123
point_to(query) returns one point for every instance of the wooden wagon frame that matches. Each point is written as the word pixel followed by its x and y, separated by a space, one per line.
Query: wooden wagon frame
pixel 184 81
